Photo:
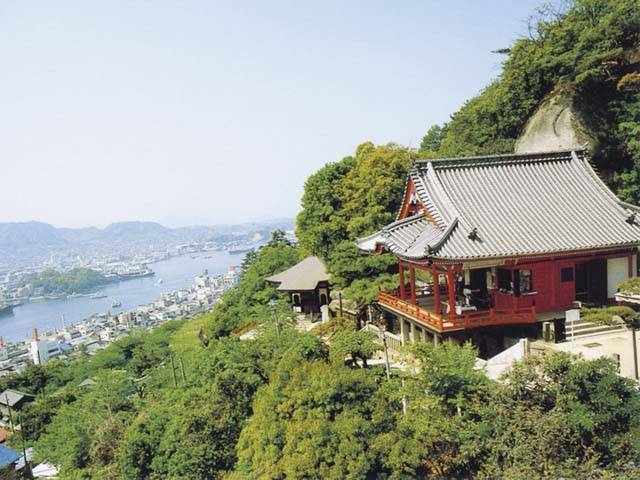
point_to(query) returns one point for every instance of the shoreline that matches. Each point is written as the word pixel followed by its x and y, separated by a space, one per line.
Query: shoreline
pixel 173 274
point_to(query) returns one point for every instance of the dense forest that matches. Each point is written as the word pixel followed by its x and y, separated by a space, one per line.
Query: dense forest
pixel 199 399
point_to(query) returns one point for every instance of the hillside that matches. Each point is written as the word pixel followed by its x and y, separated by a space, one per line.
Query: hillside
pixel 588 58
pixel 192 400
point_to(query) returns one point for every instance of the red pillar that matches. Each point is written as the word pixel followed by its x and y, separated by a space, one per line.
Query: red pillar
pixel 513 290
pixel 412 282
pixel 436 289
pixel 555 274
pixel 401 272
pixel 451 288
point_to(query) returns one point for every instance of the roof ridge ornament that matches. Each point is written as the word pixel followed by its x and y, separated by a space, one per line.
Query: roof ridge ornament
pixel 631 219
pixel 473 234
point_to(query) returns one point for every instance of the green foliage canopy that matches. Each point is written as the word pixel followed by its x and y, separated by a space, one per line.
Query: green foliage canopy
pixel 349 199
pixel 76 280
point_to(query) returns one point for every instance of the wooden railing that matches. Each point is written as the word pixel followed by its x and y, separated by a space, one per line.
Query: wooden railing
pixel 444 323
pixel 416 312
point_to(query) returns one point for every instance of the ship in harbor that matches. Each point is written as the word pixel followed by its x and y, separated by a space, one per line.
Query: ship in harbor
pixel 136 273
pixel 7 308
pixel 125 271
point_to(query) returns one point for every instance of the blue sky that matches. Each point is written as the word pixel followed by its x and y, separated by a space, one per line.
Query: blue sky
pixel 212 112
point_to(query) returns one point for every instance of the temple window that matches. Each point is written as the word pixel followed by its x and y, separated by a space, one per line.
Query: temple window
pixel 515 281
pixel 566 274
pixel 524 281
pixel 504 280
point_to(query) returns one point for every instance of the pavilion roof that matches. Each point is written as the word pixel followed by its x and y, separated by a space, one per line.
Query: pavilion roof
pixel 509 205
pixel 303 276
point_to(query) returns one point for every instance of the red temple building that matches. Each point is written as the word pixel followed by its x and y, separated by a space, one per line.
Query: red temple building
pixel 497 247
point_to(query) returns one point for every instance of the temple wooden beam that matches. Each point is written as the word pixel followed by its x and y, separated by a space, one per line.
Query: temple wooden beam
pixel 435 277
pixel 451 287
pixel 412 283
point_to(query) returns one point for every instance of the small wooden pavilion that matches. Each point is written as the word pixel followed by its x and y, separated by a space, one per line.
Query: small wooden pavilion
pixel 307 284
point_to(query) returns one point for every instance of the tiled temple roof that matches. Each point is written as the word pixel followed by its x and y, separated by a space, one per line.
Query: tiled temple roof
pixel 507 206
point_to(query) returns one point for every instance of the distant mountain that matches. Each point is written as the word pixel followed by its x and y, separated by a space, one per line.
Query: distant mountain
pixel 137 231
pixel 31 243
pixel 21 235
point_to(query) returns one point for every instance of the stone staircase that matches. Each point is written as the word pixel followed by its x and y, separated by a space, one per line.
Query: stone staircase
pixel 304 323
pixel 577 329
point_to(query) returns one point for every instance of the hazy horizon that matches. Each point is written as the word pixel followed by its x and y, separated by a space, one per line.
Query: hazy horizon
pixel 212 113
pixel 175 223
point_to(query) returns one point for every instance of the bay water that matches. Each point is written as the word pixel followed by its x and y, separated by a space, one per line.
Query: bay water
pixel 170 275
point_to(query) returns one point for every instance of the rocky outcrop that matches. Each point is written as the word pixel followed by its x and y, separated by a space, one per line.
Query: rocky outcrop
pixel 555 125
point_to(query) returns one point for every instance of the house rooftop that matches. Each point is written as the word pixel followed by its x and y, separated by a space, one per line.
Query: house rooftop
pixel 509 205
pixel 12 398
pixel 8 456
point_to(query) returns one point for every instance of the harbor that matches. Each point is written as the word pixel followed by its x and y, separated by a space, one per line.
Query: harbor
pixel 67 338
pixel 171 275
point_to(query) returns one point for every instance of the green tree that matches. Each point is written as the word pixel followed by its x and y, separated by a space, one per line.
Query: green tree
pixel 349 199
pixel 319 226
pixel 138 454
pixel 38 414
pixel 432 139
pixel 355 344
pixel 79 429
pixel 317 422
pixel 247 260
pixel 74 280
pixel 199 441
pixel 440 436
pixel 372 191
pixel 34 379
pixel 576 416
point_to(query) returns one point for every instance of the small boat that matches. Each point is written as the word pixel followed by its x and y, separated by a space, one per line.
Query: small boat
pixel 160 281
pixel 97 295
pixel 116 304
